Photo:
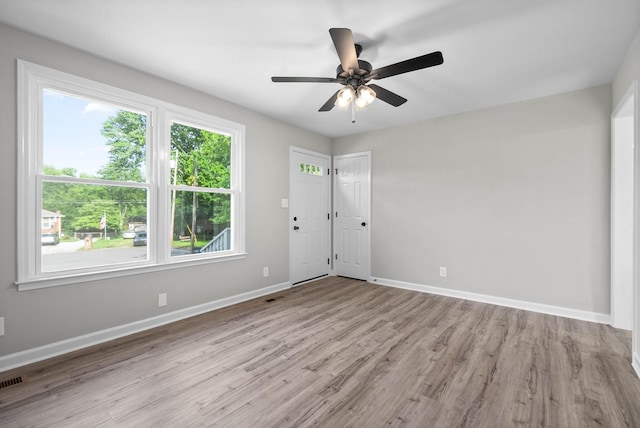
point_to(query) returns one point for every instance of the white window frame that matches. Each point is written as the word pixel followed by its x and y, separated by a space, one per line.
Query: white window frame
pixel 32 80
pixel 203 121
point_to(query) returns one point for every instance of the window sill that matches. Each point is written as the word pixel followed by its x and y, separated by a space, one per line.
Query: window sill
pixel 35 284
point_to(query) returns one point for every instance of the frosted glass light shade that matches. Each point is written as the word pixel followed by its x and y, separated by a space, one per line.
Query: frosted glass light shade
pixel 344 98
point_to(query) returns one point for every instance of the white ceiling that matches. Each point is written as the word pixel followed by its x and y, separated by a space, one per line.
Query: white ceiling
pixel 495 51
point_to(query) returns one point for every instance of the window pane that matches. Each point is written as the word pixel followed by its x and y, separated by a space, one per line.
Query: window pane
pixel 86 224
pixel 205 229
pixel 85 138
pixel 204 157
pixel 307 168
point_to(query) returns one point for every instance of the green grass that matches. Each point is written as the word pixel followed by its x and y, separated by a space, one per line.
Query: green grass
pixel 126 243
pixel 187 244
pixel 112 243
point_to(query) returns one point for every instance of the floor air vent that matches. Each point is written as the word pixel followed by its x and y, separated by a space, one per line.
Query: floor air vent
pixel 270 300
pixel 10 382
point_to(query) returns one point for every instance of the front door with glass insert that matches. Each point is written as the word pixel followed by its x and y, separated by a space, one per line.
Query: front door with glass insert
pixel 309 218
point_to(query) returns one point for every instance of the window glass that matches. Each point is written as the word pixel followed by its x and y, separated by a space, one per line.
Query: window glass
pixel 87 140
pixel 91 233
pixel 201 219
pixel 202 223
pixel 204 157
pixel 307 168
pixel 92 139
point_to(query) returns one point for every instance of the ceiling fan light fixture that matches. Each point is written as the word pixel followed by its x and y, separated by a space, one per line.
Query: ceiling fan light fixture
pixel 344 97
pixel 354 74
pixel 364 97
pixel 361 103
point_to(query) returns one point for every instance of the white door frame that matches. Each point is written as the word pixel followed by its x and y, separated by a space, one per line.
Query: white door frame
pixel 367 248
pixel 627 107
pixel 623 212
pixel 327 231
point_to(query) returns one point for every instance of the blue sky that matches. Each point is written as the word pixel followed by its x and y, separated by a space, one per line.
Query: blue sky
pixel 71 132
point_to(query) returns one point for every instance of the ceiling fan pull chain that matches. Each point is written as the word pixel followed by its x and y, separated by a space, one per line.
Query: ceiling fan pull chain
pixel 353 112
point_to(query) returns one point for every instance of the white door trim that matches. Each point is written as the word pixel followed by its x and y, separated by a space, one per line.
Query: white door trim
pixel 628 102
pixel 623 213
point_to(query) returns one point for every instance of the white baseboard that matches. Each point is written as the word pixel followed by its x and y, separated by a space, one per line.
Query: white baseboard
pixel 500 301
pixel 635 363
pixel 40 353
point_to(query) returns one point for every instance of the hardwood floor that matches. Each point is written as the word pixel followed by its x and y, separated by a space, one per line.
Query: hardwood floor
pixel 341 353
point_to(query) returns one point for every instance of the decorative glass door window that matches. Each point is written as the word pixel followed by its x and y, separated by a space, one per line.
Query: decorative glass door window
pixel 307 168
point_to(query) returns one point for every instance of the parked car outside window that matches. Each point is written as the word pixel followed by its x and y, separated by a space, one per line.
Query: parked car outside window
pixel 129 234
pixel 140 238
pixel 50 239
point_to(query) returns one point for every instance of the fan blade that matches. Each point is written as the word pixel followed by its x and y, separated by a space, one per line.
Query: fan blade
pixel 307 79
pixel 418 63
pixel 343 41
pixel 387 96
pixel 330 103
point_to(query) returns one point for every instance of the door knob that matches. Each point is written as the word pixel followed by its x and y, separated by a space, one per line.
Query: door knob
pixel 363 224
pixel 295 228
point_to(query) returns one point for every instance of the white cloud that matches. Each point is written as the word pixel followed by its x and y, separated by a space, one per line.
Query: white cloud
pixel 102 108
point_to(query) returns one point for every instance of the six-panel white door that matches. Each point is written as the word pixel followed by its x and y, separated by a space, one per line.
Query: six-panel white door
pixel 352 215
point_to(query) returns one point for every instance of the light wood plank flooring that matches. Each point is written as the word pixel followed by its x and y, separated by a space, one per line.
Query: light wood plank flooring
pixel 341 353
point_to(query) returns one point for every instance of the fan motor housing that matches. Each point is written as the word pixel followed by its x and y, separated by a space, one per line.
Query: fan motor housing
pixel 364 68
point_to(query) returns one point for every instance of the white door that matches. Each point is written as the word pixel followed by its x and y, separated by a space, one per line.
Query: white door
pixel 352 208
pixel 309 215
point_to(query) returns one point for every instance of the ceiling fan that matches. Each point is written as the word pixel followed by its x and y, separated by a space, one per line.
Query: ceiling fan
pixel 355 74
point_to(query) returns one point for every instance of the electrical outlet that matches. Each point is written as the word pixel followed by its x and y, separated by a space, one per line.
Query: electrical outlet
pixel 265 271
pixel 1 326
pixel 162 299
pixel 443 271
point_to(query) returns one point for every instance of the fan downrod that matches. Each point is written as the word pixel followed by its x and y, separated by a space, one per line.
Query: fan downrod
pixel 358 49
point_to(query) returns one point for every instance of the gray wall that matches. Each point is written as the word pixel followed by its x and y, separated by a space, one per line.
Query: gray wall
pixel 628 72
pixel 39 317
pixel 513 200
